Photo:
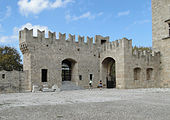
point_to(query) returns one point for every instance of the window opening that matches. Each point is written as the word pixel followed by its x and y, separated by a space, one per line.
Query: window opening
pixel 44 75
pixel 3 76
pixel 103 41
pixel 137 73
pixel 80 77
pixel 91 76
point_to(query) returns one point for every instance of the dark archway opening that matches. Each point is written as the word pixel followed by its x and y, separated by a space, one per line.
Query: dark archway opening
pixel 137 73
pixel 149 73
pixel 109 69
pixel 69 70
pixel 66 70
pixel 44 75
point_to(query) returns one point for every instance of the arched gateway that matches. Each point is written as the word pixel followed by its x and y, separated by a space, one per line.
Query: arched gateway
pixel 68 70
pixel 109 72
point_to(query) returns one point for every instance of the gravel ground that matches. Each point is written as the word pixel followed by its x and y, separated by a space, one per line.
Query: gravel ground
pixel 105 104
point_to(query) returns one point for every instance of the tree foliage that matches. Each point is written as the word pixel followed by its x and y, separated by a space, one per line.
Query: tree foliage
pixel 149 49
pixel 10 59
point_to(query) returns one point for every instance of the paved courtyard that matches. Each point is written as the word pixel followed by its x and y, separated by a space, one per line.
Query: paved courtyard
pixel 105 104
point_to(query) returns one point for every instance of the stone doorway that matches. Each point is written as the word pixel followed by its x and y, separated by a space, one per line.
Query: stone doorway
pixel 109 72
pixel 68 70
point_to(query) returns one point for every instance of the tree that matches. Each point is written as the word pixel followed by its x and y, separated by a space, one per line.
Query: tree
pixel 149 49
pixel 10 59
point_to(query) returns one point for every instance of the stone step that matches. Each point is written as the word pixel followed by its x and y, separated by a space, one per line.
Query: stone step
pixel 68 85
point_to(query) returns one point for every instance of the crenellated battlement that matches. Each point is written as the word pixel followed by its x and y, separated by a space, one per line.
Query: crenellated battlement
pixel 26 37
pixel 52 35
pixel 146 55
pixel 71 38
pixel 122 43
pixel 80 39
pixel 100 42
pixel 62 36
pixel 40 34
pixel 24 34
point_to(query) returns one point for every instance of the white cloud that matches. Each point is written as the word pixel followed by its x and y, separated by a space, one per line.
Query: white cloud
pixel 7 13
pixel 3 39
pixel 124 13
pixel 12 40
pixel 36 6
pixel 100 14
pixel 35 28
pixel 0 26
pixel 60 3
pixel 142 22
pixel 8 39
pixel 86 15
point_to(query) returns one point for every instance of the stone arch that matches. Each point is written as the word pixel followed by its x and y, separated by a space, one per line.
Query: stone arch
pixel 69 70
pixel 149 73
pixel 137 73
pixel 109 72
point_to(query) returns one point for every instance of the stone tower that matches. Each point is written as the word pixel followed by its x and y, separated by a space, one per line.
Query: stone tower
pixel 161 37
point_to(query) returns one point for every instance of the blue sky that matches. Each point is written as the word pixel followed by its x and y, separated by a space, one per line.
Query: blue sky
pixel 114 18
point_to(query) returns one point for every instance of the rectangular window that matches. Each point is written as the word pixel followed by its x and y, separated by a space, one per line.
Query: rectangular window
pixel 80 77
pixel 169 29
pixel 149 72
pixel 103 41
pixel 44 75
pixel 91 76
pixel 3 76
pixel 137 72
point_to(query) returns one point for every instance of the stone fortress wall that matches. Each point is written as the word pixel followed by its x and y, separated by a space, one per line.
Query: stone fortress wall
pixel 12 81
pixel 86 58
pixel 115 63
pixel 161 37
pixel 48 53
pixel 134 69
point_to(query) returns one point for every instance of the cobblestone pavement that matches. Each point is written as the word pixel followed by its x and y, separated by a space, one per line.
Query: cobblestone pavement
pixel 106 104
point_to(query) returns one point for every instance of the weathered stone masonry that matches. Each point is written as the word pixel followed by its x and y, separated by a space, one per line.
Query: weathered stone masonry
pixel 87 58
pixel 12 81
pixel 53 60
pixel 161 37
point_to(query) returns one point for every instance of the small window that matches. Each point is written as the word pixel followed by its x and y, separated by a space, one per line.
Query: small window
pixel 44 75
pixel 103 41
pixel 99 55
pixel 137 72
pixel 80 77
pixel 3 76
pixel 149 73
pixel 169 28
pixel 91 76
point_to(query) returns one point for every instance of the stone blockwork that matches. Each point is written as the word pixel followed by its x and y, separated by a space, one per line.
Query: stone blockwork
pixel 50 61
pixel 161 37
pixel 89 60
pixel 13 81
pixel 127 62
pixel 48 53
